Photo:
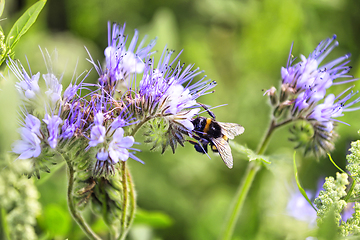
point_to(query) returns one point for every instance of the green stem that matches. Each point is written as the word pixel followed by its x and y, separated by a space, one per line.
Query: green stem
pixel 348 195
pixel 252 168
pixel 76 216
pixel 138 126
pixel 266 139
pixel 132 208
pixel 123 220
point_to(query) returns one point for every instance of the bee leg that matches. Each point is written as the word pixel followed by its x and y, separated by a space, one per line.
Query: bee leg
pixel 208 111
pixel 200 146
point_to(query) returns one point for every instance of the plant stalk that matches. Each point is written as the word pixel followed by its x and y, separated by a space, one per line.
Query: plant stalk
pixel 76 216
pixel 247 180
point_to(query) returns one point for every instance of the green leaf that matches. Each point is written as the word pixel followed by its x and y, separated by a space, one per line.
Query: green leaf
pixel 299 186
pixel 23 24
pixel 251 155
pixel 153 219
pixel 2 5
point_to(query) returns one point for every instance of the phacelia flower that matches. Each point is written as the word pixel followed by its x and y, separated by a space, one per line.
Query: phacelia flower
pixel 28 86
pixel 118 147
pixel 54 87
pixel 97 131
pixel 120 61
pixel 169 92
pixel 303 93
pixel 29 145
pixel 53 129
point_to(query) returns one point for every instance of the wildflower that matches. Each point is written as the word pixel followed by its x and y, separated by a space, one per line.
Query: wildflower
pixel 53 129
pixel 118 147
pixel 54 87
pixel 162 94
pixel 303 88
pixel 121 62
pixel 97 131
pixel 28 86
pixel 29 145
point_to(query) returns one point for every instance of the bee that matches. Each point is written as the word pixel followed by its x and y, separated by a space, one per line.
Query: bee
pixel 208 131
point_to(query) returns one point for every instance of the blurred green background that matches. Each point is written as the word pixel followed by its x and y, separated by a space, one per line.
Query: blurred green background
pixel 240 44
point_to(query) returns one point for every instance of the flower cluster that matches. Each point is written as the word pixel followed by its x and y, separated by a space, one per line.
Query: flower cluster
pixel 303 88
pixel 101 119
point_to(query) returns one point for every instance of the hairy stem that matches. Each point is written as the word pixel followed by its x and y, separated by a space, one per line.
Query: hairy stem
pixel 139 125
pixel 74 213
pixel 123 220
pixel 247 180
pixel 132 206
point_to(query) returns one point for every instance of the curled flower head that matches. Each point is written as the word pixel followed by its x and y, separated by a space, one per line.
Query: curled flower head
pixel 304 94
pixel 170 92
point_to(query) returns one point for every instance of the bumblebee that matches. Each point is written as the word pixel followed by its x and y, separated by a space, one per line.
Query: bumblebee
pixel 207 131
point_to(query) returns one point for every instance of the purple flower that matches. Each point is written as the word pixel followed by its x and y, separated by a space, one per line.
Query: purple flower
pixel 53 129
pixel 28 146
pixel 164 93
pixel 299 208
pixel 309 81
pixel 348 211
pixel 54 87
pixel 28 86
pixel 304 87
pixel 33 124
pixel 118 147
pixel 67 129
pixel 97 135
pixel 121 62
pixel 70 92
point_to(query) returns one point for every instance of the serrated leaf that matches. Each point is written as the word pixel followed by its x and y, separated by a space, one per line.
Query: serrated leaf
pixel 23 24
pixel 2 6
pixel 251 155
pixel 299 185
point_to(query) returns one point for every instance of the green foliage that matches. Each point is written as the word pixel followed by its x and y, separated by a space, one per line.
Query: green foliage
pixel 153 219
pixel 56 220
pixel 302 191
pixel 242 45
pixel 21 26
pixel 250 154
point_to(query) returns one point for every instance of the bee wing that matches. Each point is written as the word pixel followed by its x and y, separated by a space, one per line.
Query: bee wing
pixel 224 150
pixel 231 129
